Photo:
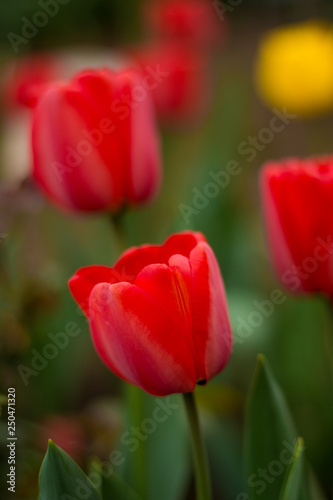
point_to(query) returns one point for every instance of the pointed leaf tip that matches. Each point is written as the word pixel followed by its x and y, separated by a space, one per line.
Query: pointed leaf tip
pixel 261 358
pixel 292 488
pixel 269 426
pixel 61 477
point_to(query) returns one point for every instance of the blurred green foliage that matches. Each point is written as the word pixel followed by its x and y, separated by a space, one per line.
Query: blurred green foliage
pixel 44 248
pixel 107 22
pixel 112 22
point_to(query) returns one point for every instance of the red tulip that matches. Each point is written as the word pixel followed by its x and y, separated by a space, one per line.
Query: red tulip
pixel 193 21
pixel 297 197
pixel 184 94
pixel 95 143
pixel 159 317
pixel 25 81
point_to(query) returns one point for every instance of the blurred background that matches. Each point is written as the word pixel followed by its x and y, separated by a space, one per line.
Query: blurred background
pixel 223 114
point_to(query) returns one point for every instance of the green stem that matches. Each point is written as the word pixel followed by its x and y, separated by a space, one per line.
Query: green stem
pixel 328 342
pixel 202 477
pixel 119 233
pixel 134 396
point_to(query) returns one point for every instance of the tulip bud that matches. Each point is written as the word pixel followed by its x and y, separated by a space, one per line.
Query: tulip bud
pixel 195 22
pixel 159 317
pixel 298 208
pixel 95 144
pixel 26 80
pixel 183 93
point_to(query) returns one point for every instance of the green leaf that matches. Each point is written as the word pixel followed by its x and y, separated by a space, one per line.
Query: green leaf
pixel 62 479
pixel 115 487
pixel 168 451
pixel 224 452
pixel 292 485
pixel 270 437
pixel 110 484
pixel 162 434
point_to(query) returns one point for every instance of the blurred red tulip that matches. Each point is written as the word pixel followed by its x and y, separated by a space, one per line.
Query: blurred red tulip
pixel 184 94
pixel 193 21
pixel 297 197
pixel 159 317
pixel 66 432
pixel 26 79
pixel 95 143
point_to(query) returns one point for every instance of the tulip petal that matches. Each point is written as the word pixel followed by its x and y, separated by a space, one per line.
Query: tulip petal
pixel 105 150
pixel 182 243
pixel 84 280
pixel 135 125
pixel 63 155
pixel 181 270
pixel 181 273
pixel 210 321
pixel 135 259
pixel 138 341
pixel 299 238
pixel 145 173
pixel 276 240
pixel 171 291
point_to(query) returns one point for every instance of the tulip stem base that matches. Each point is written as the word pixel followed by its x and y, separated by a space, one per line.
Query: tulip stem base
pixel 117 221
pixel 202 477
pixel 134 397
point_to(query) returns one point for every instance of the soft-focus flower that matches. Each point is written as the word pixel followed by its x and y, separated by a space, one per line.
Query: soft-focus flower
pixel 22 82
pixel 66 431
pixel 95 142
pixel 26 79
pixel 159 317
pixel 193 21
pixel 297 198
pixel 183 94
pixel 294 68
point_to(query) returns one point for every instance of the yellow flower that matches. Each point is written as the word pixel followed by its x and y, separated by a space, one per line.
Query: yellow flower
pixel 294 68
